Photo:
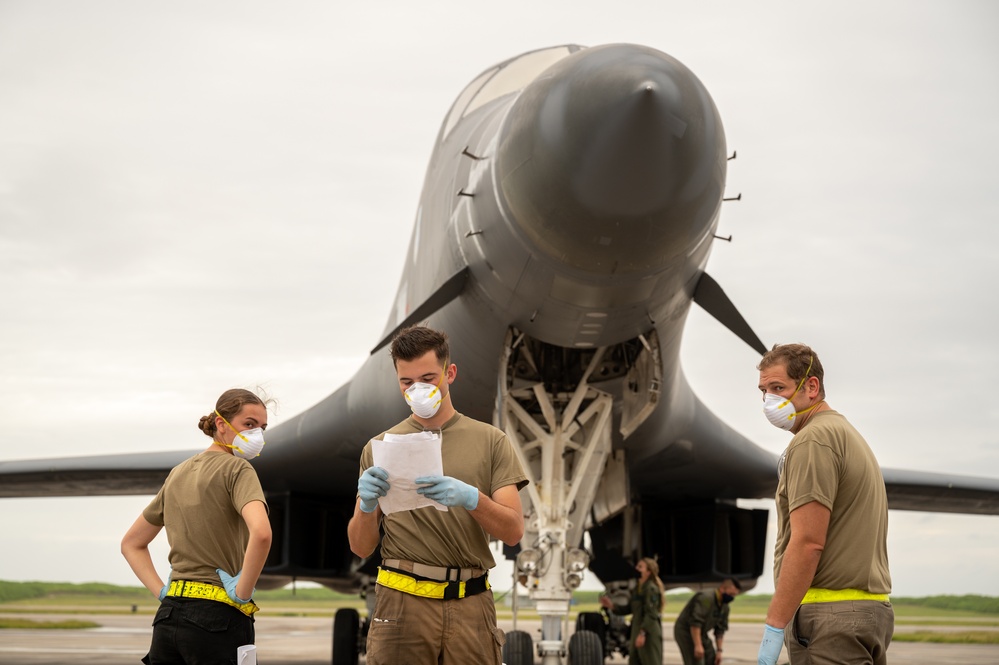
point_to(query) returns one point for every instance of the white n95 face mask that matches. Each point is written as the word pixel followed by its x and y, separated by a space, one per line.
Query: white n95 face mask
pixel 779 411
pixel 424 399
pixel 248 443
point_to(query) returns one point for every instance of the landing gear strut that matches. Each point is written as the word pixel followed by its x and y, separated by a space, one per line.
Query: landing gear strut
pixel 563 440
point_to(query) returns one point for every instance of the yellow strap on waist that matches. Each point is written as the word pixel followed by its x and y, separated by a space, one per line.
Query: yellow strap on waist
pixel 185 589
pixel 817 595
pixel 415 587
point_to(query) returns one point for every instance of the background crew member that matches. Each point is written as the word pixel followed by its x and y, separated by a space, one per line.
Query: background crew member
pixel 704 612
pixel 647 603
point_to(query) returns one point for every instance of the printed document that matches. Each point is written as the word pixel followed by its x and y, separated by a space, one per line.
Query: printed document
pixel 407 457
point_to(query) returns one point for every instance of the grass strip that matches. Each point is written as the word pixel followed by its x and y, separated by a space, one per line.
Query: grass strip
pixel 21 624
pixel 948 637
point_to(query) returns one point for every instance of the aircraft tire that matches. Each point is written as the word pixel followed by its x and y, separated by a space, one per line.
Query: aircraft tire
pixel 346 622
pixel 594 622
pixel 518 649
pixel 585 648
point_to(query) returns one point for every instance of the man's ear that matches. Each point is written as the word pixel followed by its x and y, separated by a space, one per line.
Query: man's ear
pixel 452 373
pixel 812 386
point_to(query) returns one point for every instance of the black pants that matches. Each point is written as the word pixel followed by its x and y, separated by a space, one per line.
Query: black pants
pixel 192 631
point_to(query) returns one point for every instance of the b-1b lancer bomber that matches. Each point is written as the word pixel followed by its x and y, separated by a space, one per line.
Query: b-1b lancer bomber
pixel 568 212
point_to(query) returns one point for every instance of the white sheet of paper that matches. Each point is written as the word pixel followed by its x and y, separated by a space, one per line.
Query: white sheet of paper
pixel 246 655
pixel 407 457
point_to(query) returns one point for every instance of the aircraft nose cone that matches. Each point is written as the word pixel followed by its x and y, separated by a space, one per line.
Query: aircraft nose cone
pixel 613 161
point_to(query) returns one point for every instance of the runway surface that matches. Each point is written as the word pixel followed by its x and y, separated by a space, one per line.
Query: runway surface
pixel 281 640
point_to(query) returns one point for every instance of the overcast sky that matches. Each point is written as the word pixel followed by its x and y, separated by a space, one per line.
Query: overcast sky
pixel 195 196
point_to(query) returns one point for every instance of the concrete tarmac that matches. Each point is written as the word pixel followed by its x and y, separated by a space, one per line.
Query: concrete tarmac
pixel 282 640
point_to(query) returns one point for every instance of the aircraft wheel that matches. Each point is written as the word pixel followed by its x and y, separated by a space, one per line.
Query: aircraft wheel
pixel 594 622
pixel 519 648
pixel 585 649
pixel 345 631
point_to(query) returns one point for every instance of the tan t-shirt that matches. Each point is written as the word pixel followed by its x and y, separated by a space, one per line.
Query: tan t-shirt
pixel 200 506
pixel 475 453
pixel 830 462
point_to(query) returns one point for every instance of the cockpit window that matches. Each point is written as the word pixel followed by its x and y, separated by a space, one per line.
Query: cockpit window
pixel 511 76
pixel 466 95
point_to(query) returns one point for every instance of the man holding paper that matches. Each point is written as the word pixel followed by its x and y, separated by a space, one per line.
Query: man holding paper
pixel 432 582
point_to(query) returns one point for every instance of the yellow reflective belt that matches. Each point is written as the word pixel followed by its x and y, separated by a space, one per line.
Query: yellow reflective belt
pixel 817 595
pixel 415 587
pixel 184 589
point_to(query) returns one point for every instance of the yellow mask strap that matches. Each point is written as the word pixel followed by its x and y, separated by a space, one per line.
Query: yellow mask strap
pixel 800 384
pixel 438 386
pixel 239 434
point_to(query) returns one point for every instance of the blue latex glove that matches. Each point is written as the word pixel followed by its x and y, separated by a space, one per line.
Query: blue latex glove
pixel 449 491
pixel 372 484
pixel 230 582
pixel 773 640
pixel 166 587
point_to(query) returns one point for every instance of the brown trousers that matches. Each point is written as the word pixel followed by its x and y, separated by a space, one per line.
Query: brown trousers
pixel 413 630
pixel 847 632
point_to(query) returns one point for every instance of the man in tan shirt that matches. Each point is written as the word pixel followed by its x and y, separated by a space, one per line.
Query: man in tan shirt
pixel 831 558
pixel 433 603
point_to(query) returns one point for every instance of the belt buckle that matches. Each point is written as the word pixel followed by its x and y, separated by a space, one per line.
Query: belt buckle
pixel 452 590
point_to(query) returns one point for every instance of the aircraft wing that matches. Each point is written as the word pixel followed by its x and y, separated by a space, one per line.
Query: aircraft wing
pixel 144 473
pixel 122 474
pixel 941 493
